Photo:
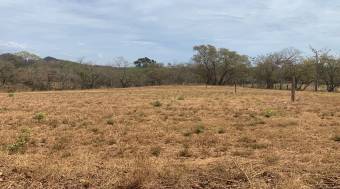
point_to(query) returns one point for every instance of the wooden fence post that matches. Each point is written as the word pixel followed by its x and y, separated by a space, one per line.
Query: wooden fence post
pixel 293 90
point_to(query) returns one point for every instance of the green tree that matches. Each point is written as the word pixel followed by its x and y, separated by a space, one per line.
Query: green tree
pixel 145 62
pixel 330 71
pixel 7 72
pixel 219 66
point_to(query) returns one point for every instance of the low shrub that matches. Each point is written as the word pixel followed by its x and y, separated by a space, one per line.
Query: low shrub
pixel 156 151
pixel 39 116
pixel 199 129
pixel 180 98
pixel 20 144
pixel 156 103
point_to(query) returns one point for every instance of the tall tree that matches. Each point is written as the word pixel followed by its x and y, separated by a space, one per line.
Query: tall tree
pixel 7 72
pixel 290 58
pixel 206 60
pixel 318 65
pixel 145 62
pixel 330 71
pixel 268 69
pixel 219 66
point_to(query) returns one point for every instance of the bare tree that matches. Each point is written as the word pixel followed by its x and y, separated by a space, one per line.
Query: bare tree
pixel 290 58
pixel 318 65
pixel 122 65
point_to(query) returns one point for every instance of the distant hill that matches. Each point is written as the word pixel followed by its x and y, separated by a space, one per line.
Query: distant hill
pixel 50 59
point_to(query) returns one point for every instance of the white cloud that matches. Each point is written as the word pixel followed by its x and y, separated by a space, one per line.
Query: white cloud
pixel 12 45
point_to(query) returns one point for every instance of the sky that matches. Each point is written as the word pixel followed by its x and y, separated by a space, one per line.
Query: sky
pixel 165 30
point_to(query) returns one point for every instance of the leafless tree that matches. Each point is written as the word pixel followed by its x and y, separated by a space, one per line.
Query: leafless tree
pixel 122 65
pixel 290 58
pixel 318 64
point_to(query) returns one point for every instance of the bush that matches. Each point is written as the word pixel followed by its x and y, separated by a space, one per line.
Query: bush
pixel 39 116
pixel 157 103
pixel 20 144
pixel 11 95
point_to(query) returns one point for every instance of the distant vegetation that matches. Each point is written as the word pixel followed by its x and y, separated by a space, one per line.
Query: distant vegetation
pixel 210 66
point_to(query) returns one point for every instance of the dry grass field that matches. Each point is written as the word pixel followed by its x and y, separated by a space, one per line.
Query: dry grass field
pixel 169 137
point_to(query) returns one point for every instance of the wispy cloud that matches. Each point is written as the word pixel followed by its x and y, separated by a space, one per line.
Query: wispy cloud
pixel 12 45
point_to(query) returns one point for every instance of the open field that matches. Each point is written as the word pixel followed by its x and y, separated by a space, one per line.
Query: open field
pixel 170 137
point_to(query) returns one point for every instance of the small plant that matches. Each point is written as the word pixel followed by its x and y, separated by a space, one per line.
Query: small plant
pixel 243 153
pixel 221 131
pixel 39 116
pixel 271 159
pixel 60 143
pixel 110 122
pixel 95 130
pixel 11 95
pixel 20 144
pixel 185 152
pixel 269 113
pixel 199 129
pixel 336 138
pixel 156 103
pixel 112 142
pixel 257 146
pixel 156 151
pixel 180 98
pixel 187 133
pixel 247 140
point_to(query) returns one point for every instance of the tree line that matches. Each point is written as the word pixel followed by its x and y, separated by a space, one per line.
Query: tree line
pixel 286 69
pixel 277 70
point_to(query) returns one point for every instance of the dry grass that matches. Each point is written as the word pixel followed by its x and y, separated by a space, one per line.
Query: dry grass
pixel 169 137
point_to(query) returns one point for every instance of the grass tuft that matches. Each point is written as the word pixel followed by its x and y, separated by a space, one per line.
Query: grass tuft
pixel 180 98
pixel 221 131
pixel 11 95
pixel 20 144
pixel 39 116
pixel 199 129
pixel 336 138
pixel 156 103
pixel 185 152
pixel 156 151
pixel 269 113
pixel 110 122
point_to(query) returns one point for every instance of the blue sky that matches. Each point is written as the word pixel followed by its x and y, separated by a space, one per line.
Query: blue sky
pixel 165 30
